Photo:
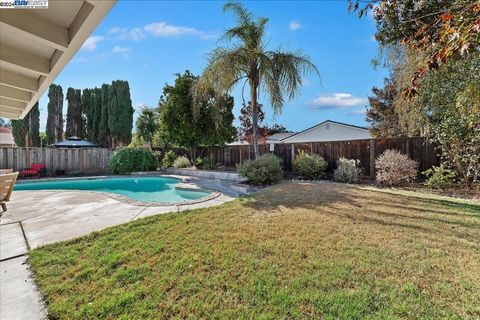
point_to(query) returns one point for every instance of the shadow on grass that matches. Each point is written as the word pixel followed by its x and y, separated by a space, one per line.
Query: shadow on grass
pixel 310 195
pixel 433 216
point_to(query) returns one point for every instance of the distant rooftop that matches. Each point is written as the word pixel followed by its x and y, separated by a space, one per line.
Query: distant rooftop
pixel 6 137
pixel 280 136
pixel 74 142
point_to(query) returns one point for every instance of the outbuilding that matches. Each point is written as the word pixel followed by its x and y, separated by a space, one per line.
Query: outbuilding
pixel 74 142
pixel 328 131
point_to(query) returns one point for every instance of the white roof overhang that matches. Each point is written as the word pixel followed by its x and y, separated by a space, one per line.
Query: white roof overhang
pixel 35 45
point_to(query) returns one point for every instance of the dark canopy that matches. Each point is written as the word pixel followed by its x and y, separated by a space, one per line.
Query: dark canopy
pixel 74 142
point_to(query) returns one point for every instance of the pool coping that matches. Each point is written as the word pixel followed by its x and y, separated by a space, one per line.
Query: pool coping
pixel 185 184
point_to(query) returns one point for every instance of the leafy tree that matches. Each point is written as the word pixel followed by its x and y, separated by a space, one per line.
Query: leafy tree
pixel 147 125
pixel 120 113
pixel 277 128
pixel 450 97
pixel 208 123
pixel 54 128
pixel 136 141
pixel 219 110
pixel 381 113
pixel 75 122
pixel 43 139
pixel 445 30
pixel 248 60
pixel 246 123
pixel 412 120
pixel 26 130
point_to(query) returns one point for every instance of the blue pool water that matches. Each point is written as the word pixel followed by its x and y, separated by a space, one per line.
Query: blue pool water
pixel 145 189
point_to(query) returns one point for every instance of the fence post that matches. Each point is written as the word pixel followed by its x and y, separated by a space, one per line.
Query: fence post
pixel 292 150
pixel 225 156
pixel 372 158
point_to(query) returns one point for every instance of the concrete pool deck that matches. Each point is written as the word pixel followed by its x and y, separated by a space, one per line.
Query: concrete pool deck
pixel 36 218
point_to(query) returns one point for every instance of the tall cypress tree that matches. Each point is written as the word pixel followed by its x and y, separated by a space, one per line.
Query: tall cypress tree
pixel 120 113
pixel 97 116
pixel 101 103
pixel 54 128
pixel 27 128
pixel 88 105
pixel 34 126
pixel 19 132
pixel 75 126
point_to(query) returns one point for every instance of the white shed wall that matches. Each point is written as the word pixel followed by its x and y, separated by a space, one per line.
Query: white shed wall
pixel 329 132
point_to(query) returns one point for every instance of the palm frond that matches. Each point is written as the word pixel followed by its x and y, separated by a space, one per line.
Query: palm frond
pixel 224 69
pixel 249 29
pixel 268 79
pixel 242 15
pixel 279 73
pixel 283 73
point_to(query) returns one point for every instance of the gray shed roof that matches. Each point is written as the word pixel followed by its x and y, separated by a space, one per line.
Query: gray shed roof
pixel 74 142
pixel 280 136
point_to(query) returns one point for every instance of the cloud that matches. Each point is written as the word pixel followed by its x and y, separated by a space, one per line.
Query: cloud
pixel 80 60
pixel 165 30
pixel 91 43
pixel 294 25
pixel 359 111
pixel 124 51
pixel 336 100
pixel 135 34
pixel 117 30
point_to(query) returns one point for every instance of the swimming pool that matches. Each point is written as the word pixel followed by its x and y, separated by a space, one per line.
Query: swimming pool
pixel 143 189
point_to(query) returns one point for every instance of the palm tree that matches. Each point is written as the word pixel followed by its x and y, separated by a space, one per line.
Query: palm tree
pixel 146 125
pixel 278 73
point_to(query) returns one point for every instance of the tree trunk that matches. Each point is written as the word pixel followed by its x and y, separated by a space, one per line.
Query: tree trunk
pixel 254 106
pixel 27 151
pixel 193 155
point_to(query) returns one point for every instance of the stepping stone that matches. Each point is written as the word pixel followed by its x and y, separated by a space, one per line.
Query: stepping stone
pixel 12 242
pixel 19 298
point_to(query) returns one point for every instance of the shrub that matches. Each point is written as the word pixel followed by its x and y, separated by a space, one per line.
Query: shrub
pixel 439 177
pixel 310 166
pixel 127 160
pixel 348 170
pixel 207 163
pixel 159 157
pixel 395 168
pixel 210 164
pixel 182 162
pixel 168 159
pixel 266 169
pixel 199 162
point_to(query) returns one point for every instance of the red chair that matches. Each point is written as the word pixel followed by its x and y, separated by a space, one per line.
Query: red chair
pixel 35 170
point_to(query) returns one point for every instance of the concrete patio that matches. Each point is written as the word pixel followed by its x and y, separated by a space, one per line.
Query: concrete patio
pixel 36 218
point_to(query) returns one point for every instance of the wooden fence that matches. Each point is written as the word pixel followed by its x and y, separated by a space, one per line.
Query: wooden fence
pixel 366 151
pixel 96 159
pixel 65 159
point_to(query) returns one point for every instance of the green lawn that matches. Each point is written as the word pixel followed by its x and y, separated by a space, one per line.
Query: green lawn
pixel 295 250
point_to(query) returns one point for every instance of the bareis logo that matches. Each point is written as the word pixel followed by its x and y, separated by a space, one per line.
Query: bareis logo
pixel 23 4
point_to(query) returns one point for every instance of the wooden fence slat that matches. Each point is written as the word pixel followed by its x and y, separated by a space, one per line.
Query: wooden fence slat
pixel 69 160
pixel 96 159
pixel 365 150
